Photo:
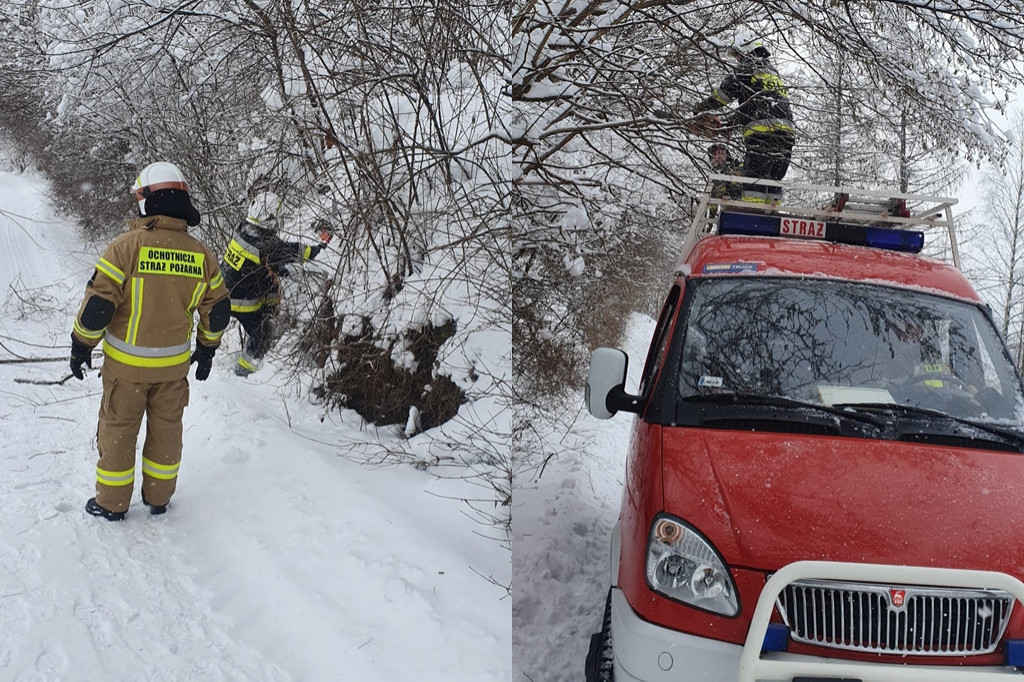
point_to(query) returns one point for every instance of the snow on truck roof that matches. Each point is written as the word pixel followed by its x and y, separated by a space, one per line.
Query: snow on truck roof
pixel 823 231
pixel 731 255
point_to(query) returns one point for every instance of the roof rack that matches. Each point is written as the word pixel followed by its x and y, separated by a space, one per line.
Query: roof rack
pixel 840 204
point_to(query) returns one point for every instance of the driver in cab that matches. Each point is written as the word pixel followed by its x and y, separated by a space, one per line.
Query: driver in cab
pixel 933 368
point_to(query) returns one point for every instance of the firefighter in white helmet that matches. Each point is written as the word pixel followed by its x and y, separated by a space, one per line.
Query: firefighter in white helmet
pixel 763 110
pixel 255 260
pixel 141 301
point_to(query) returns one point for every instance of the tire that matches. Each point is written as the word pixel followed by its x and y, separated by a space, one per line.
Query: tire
pixel 600 662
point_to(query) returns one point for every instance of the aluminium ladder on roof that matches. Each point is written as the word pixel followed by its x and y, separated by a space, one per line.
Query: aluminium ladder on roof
pixel 862 206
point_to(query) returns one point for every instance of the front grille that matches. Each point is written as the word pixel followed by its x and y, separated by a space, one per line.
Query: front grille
pixel 930 621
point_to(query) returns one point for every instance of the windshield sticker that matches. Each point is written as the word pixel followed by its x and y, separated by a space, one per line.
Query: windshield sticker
pixel 728 268
pixel 713 382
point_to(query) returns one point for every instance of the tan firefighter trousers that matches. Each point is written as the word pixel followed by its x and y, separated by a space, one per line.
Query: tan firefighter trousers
pixel 121 410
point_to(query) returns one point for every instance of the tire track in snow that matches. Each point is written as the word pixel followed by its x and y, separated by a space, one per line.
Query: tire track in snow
pixel 128 579
pixel 561 537
pixel 33 249
pixel 25 253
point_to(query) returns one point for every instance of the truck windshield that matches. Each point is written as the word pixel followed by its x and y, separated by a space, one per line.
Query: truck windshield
pixel 842 343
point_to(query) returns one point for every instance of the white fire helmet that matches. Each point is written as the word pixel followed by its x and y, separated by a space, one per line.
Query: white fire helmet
pixel 154 177
pixel 264 209
pixel 745 42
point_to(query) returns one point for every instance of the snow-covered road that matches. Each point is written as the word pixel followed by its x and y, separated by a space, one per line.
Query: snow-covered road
pixel 560 526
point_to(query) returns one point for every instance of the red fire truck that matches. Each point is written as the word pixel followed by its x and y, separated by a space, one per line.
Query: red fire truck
pixel 825 478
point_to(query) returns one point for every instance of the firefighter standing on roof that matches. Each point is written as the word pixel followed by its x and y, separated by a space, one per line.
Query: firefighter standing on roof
pixel 763 111
pixel 253 263
pixel 140 301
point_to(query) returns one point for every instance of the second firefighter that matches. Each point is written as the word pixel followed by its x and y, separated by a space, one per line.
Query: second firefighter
pixel 253 264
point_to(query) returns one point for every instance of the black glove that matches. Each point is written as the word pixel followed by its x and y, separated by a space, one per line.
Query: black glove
pixel 315 250
pixel 204 356
pixel 81 354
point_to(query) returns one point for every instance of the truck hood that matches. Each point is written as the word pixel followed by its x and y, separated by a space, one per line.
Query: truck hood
pixel 768 499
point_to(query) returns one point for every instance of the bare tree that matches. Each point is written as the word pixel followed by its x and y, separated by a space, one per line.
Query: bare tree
pixel 1000 259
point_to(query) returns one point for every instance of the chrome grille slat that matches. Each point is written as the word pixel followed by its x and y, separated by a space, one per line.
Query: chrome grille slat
pixel 914 623
pixel 977 633
pixel 954 611
pixel 860 618
pixel 931 622
pixel 841 629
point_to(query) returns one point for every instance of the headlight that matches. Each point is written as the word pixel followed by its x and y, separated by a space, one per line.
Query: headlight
pixel 682 565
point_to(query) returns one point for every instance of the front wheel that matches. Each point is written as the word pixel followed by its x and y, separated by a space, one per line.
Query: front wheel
pixel 599 667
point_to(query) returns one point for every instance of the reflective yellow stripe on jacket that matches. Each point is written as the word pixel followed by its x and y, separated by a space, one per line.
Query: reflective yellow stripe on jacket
pixel 210 336
pixel 92 334
pixel 767 125
pixel 110 270
pixel 197 297
pixel 246 305
pixel 239 251
pixel 145 356
pixel 133 322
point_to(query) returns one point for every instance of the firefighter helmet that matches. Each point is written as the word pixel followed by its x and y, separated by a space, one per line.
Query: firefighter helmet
pixel 264 209
pixel 155 177
pixel 161 189
pixel 746 45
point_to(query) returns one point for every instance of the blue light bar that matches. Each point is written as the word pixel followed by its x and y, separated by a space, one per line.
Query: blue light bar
pixel 776 638
pixel 764 225
pixel 896 240
pixel 746 223
pixel 1015 652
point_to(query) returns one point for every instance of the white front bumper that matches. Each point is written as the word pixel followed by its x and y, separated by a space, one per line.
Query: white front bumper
pixel 649 653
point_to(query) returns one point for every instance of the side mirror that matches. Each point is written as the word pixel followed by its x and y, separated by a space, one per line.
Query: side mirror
pixel 605 393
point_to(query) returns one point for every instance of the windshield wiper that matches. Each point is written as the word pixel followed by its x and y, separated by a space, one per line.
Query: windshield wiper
pixel 1016 437
pixel 743 398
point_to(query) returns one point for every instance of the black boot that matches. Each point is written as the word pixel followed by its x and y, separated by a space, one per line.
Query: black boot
pixel 91 507
pixel 154 509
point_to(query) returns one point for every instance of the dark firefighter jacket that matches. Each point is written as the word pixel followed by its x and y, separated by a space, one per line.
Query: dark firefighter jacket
pixel 253 261
pixel 763 103
pixel 142 296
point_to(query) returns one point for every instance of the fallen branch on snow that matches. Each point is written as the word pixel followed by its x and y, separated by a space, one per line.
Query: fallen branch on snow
pixel 19 361
pixel 43 382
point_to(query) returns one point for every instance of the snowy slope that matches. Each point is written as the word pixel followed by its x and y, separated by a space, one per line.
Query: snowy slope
pixel 280 558
pixel 560 526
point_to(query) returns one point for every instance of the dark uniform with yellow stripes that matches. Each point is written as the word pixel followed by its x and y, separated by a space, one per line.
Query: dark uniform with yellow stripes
pixel 766 117
pixel 253 263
